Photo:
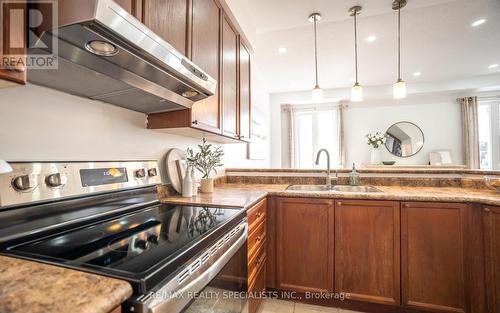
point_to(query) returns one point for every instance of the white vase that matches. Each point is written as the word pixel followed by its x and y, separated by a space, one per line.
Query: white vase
pixel 207 185
pixel 375 156
pixel 187 185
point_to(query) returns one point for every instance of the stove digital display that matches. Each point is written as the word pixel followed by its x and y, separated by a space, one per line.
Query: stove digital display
pixel 103 176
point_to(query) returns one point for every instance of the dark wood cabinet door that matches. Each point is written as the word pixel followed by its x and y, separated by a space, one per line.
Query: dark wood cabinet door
pixel 432 256
pixel 13 43
pixel 245 98
pixel 205 52
pixel 491 218
pixel 133 7
pixel 367 250
pixel 168 19
pixel 229 79
pixel 304 243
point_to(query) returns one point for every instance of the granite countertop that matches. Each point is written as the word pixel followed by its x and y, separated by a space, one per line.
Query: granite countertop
pixel 376 170
pixel 32 287
pixel 245 195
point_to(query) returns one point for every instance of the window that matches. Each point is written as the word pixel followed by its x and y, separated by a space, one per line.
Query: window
pixel 315 129
pixel 489 134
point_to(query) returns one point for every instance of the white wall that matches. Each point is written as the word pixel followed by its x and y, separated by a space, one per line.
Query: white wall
pixel 438 115
pixel 40 124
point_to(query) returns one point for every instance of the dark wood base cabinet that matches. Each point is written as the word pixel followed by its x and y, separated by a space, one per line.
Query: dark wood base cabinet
pixel 367 255
pixel 387 256
pixel 256 249
pixel 491 218
pixel 304 244
pixel 433 256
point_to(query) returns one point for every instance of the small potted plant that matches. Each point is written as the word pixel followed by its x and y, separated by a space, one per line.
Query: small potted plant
pixel 375 141
pixel 206 161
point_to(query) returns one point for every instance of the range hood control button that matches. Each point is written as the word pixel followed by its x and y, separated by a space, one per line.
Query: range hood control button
pixel 140 173
pixel 24 183
pixel 152 172
pixel 56 180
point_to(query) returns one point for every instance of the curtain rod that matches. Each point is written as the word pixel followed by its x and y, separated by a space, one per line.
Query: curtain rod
pixel 488 97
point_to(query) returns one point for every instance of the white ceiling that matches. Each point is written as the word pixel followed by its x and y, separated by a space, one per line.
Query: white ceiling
pixel 437 40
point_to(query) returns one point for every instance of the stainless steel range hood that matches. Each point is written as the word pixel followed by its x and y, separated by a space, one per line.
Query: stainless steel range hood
pixel 104 53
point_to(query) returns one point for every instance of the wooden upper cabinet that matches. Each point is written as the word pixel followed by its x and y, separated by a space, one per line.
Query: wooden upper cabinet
pixel 13 43
pixel 367 250
pixel 133 7
pixel 304 244
pixel 432 256
pixel 205 52
pixel 491 219
pixel 229 79
pixel 169 20
pixel 245 98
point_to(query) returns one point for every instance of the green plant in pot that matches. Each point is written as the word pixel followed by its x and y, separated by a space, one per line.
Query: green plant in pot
pixel 206 161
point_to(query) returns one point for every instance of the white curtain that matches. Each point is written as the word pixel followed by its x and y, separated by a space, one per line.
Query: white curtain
pixel 288 113
pixel 340 132
pixel 470 131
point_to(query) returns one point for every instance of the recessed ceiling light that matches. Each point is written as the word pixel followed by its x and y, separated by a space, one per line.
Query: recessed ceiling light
pixel 492 66
pixel 371 38
pixel 479 22
pixel 282 50
pixel 417 74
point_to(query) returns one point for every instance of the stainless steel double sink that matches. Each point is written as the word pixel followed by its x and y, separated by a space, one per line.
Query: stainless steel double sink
pixel 333 189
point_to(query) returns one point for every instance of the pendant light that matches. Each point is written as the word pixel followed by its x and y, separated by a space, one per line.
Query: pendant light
pixel 317 93
pixel 399 87
pixel 357 90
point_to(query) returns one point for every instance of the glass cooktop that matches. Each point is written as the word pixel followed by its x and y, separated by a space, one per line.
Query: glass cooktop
pixel 134 243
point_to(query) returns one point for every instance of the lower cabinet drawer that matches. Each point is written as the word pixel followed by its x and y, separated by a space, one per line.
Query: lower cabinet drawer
pixel 255 263
pixel 256 289
pixel 256 214
pixel 256 238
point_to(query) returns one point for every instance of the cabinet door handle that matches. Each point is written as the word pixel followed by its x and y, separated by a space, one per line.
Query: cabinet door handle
pixel 406 205
pixel 258 215
pixel 487 210
pixel 339 203
pixel 258 239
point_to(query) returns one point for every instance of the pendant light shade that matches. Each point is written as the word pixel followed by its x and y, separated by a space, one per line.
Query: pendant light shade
pixel 317 92
pixel 357 90
pixel 356 93
pixel 399 87
pixel 5 167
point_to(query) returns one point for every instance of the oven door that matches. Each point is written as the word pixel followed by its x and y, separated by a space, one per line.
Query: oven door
pixel 226 293
pixel 215 282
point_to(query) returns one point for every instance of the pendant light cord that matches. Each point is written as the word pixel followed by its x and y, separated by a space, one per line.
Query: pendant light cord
pixel 399 41
pixel 316 51
pixel 356 44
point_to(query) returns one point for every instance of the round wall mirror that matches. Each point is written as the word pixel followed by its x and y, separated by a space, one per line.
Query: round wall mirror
pixel 404 139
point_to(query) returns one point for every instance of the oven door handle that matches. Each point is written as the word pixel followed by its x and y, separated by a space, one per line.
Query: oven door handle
pixel 174 300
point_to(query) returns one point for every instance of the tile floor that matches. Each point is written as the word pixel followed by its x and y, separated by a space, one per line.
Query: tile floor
pixel 280 306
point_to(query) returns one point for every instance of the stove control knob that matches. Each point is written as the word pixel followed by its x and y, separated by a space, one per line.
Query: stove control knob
pixel 142 244
pixel 153 239
pixel 152 172
pixel 140 173
pixel 56 180
pixel 24 183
